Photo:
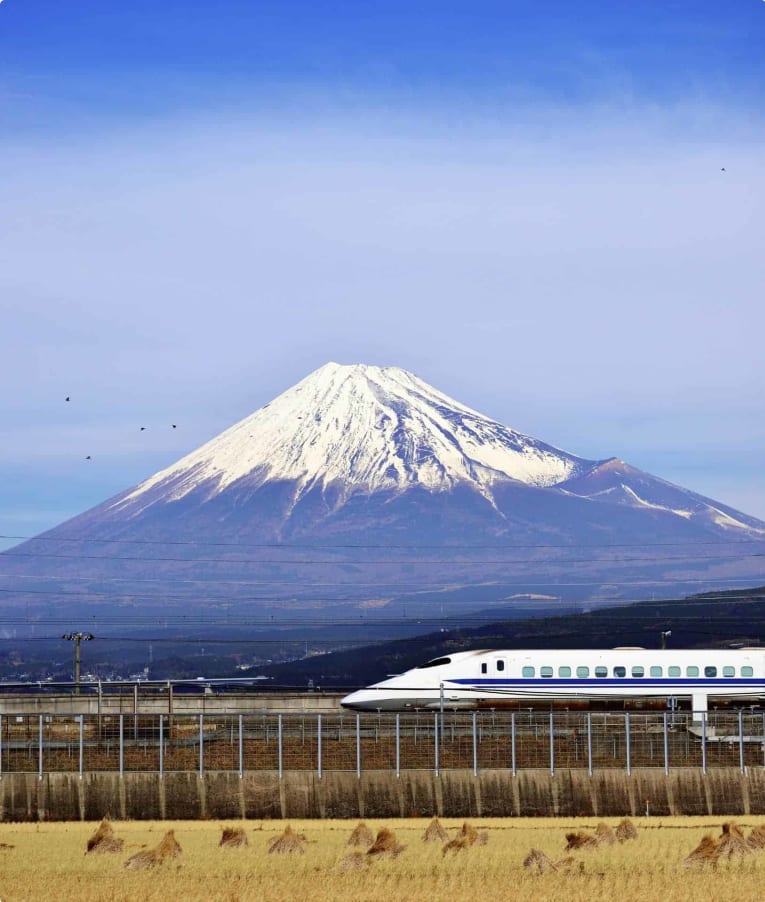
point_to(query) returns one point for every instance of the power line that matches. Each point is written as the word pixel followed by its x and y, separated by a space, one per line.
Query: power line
pixel 327 545
pixel 236 599
pixel 295 562
pixel 465 620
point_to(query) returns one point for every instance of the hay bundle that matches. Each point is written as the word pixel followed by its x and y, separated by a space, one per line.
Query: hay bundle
pixel 386 845
pixel 706 852
pixel 361 835
pixel 580 840
pixel 288 843
pixel 166 849
pixel 233 838
pixel 732 841
pixel 604 835
pixel 456 844
pixel 468 832
pixel 482 839
pixel 756 838
pixel 435 832
pixel 353 861
pixel 466 837
pixel 104 840
pixel 626 830
pixel 536 862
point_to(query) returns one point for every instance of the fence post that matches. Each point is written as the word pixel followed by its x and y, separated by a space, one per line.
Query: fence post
pixel 1 746
pixel 741 741
pixel 666 746
pixel 398 745
pixel 512 743
pixel 358 746
pixel 161 746
pixel 40 750
pixel 552 746
pixel 241 747
pixel 122 745
pixel 589 743
pixel 280 749
pixel 475 744
pixel 318 744
pixel 629 738
pixel 82 742
pixel 435 742
pixel 704 742
pixel 201 746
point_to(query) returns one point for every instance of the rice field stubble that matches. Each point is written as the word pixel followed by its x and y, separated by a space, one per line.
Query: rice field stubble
pixel 48 861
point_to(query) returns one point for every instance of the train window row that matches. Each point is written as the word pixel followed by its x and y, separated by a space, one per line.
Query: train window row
pixel 636 671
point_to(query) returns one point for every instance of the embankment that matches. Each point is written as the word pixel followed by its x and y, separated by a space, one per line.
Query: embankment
pixel 380 794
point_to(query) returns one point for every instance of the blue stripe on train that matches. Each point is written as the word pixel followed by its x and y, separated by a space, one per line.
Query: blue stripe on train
pixel 710 682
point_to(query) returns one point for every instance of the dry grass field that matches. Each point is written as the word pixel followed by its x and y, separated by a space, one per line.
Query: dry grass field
pixel 47 861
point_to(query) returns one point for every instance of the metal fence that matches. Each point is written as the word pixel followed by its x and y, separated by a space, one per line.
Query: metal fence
pixel 161 743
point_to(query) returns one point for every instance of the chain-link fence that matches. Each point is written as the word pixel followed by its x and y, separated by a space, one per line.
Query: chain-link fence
pixel 434 741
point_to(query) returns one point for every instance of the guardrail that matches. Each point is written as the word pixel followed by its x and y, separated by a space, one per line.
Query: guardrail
pixel 435 741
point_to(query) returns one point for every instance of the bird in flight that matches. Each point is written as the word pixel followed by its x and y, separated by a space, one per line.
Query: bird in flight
pixel 722 169
pixel 88 457
pixel 174 426
pixel 143 428
pixel 66 398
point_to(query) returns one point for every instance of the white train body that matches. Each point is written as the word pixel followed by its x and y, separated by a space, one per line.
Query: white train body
pixel 472 679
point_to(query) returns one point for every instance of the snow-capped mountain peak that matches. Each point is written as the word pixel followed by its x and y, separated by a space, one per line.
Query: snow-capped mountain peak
pixel 366 428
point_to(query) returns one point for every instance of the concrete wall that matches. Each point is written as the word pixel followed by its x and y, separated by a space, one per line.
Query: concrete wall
pixel 180 703
pixel 380 794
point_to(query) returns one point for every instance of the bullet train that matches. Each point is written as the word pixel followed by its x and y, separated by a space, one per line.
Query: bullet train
pixel 491 678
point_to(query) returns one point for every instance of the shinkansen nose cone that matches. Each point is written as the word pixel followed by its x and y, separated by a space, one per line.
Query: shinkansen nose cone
pixel 364 700
pixel 422 687
pixel 395 694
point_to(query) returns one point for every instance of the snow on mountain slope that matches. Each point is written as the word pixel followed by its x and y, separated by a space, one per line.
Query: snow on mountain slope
pixel 615 482
pixel 365 428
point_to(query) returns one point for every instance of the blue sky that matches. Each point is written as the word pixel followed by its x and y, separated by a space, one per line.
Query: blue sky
pixel 522 202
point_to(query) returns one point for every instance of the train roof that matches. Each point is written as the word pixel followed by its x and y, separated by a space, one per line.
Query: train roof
pixel 631 649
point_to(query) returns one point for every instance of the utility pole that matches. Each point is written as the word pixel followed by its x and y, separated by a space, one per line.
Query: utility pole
pixel 665 634
pixel 77 638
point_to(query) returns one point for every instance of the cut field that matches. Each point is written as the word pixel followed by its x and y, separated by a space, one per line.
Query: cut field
pixel 48 861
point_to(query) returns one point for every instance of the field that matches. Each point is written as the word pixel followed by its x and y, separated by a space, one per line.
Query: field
pixel 48 861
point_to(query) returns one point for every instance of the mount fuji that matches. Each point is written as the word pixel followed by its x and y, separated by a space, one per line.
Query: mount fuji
pixel 366 488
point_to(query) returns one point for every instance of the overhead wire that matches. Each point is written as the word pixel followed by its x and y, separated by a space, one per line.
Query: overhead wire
pixel 292 562
pixel 323 545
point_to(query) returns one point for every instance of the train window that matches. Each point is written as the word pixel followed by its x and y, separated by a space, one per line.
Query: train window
pixel 601 672
pixel 582 671
pixel 656 671
pixel 436 662
pixel 638 671
pixel 484 667
pixel 500 664
pixel 729 671
pixel 692 670
pixel 747 671
pixel 546 671
pixel 620 671
pixel 673 671
pixel 529 671
pixel 564 672
pixel 710 671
